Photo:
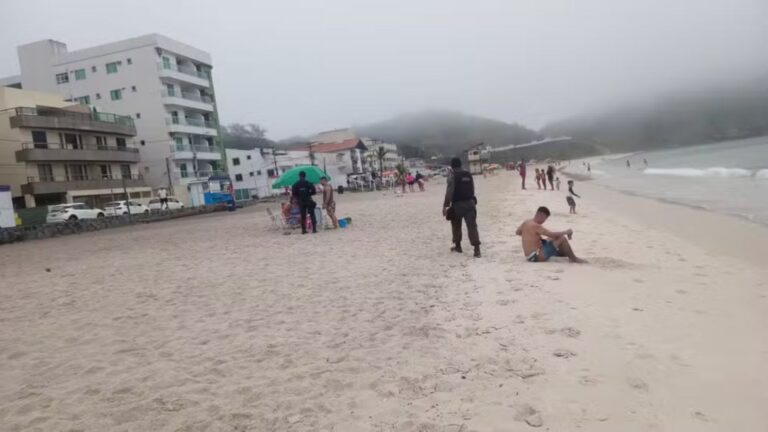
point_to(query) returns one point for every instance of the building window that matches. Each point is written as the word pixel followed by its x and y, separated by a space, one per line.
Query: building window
pixel 84 100
pixel 62 78
pixel 112 67
pixel 116 94
pixel 271 173
pixel 129 61
pixel 258 172
pixel 251 174
pixel 166 62
pixel 133 89
pixel 183 170
pixel 101 142
pixel 120 143
pixel 143 143
pixel 79 74
pixel 235 161
pixel 93 69
pixel 146 169
pixel 98 95
pixel 45 172
pixel 138 115
pixel 39 139
pixel 238 177
pixel 125 171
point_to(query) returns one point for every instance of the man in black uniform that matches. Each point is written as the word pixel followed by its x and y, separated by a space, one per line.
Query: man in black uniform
pixel 460 204
pixel 303 191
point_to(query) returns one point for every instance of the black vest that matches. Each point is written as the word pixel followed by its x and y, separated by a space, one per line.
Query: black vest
pixel 463 186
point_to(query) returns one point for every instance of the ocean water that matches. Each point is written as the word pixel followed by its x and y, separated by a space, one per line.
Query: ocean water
pixel 729 177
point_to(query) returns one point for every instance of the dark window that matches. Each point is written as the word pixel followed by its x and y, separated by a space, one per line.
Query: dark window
pixel 138 115
pixel 98 95
pixel 125 171
pixel 238 177
pixel 258 172
pixel 93 69
pixel 129 61
pixel 143 142
pixel 120 142
pixel 270 172
pixel 62 78
pixel 235 161
pixel 40 138
pixel 133 89
pixel 250 173
pixel 248 157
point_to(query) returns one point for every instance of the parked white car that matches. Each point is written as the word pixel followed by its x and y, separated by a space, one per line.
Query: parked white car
pixel 119 208
pixel 173 204
pixel 72 212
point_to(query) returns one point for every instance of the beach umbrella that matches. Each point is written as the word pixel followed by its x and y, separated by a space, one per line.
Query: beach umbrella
pixel 292 176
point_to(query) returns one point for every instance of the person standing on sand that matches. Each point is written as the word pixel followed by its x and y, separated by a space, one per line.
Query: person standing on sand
pixel 538 178
pixel 569 199
pixel 628 164
pixel 329 204
pixel 550 177
pixel 536 249
pixel 303 191
pixel 557 182
pixel 460 203
pixel 521 169
pixel 420 181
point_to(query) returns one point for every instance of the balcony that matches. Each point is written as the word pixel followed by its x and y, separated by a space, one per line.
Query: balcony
pixel 58 118
pixel 186 177
pixel 182 74
pixel 192 126
pixel 57 152
pixel 188 100
pixel 200 152
pixel 48 185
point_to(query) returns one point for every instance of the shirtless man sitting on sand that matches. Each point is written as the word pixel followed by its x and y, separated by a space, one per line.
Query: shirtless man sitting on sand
pixel 537 249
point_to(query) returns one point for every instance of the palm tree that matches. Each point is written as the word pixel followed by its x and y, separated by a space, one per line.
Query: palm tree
pixel 380 154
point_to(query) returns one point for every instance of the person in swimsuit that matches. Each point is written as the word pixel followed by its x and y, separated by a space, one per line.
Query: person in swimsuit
pixel 569 199
pixel 536 248
pixel 538 178
pixel 329 203
pixel 521 169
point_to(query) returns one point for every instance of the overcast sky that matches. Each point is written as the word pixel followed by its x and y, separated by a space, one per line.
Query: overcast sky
pixel 298 67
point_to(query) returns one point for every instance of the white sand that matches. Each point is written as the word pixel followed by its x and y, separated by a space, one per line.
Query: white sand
pixel 209 324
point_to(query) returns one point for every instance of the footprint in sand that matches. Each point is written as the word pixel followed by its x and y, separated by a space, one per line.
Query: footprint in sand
pixel 681 291
pixel 564 353
pixel 638 384
pixel 638 280
pixel 698 415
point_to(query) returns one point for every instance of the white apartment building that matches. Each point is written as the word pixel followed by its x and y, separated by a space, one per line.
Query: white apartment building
pixel 253 171
pixel 164 85
pixel 390 160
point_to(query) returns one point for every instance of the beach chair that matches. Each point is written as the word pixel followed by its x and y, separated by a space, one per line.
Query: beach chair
pixel 277 220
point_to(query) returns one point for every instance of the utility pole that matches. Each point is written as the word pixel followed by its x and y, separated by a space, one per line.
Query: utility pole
pixel 168 171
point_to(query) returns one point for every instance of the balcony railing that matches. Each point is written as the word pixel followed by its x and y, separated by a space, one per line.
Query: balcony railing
pixel 191 122
pixel 54 184
pixel 188 96
pixel 84 147
pixel 185 70
pixel 56 118
pixel 197 148
pixel 200 174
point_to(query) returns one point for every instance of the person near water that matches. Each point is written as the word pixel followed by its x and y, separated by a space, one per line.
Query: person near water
pixel 589 168
pixel 570 200
pixel 461 204
pixel 628 164
pixel 550 177
pixel 645 162
pixel 557 183
pixel 538 178
pixel 538 249
pixel 303 191
pixel 329 203
pixel 419 178
pixel 521 169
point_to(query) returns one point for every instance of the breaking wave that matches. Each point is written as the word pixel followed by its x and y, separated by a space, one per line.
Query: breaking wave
pixel 705 172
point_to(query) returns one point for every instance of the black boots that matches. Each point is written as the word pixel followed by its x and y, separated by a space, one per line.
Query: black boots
pixel 477 251
pixel 457 248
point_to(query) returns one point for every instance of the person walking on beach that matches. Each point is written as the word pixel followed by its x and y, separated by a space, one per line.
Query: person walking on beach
pixel 460 204
pixel 569 199
pixel 628 164
pixel 550 177
pixel 303 191
pixel 537 249
pixel 163 195
pixel 521 169
pixel 419 178
pixel 329 204
pixel 538 178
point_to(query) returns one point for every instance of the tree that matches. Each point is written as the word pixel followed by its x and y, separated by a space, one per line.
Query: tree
pixel 380 154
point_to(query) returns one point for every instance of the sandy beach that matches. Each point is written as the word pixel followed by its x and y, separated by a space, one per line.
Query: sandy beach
pixel 221 323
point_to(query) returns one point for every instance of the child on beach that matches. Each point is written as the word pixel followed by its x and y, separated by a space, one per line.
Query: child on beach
pixel 538 178
pixel 557 183
pixel 569 199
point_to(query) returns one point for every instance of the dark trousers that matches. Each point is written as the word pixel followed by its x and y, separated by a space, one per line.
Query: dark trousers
pixel 304 208
pixel 465 210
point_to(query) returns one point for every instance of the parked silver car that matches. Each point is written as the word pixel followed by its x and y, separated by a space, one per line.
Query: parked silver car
pixel 119 208
pixel 72 212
